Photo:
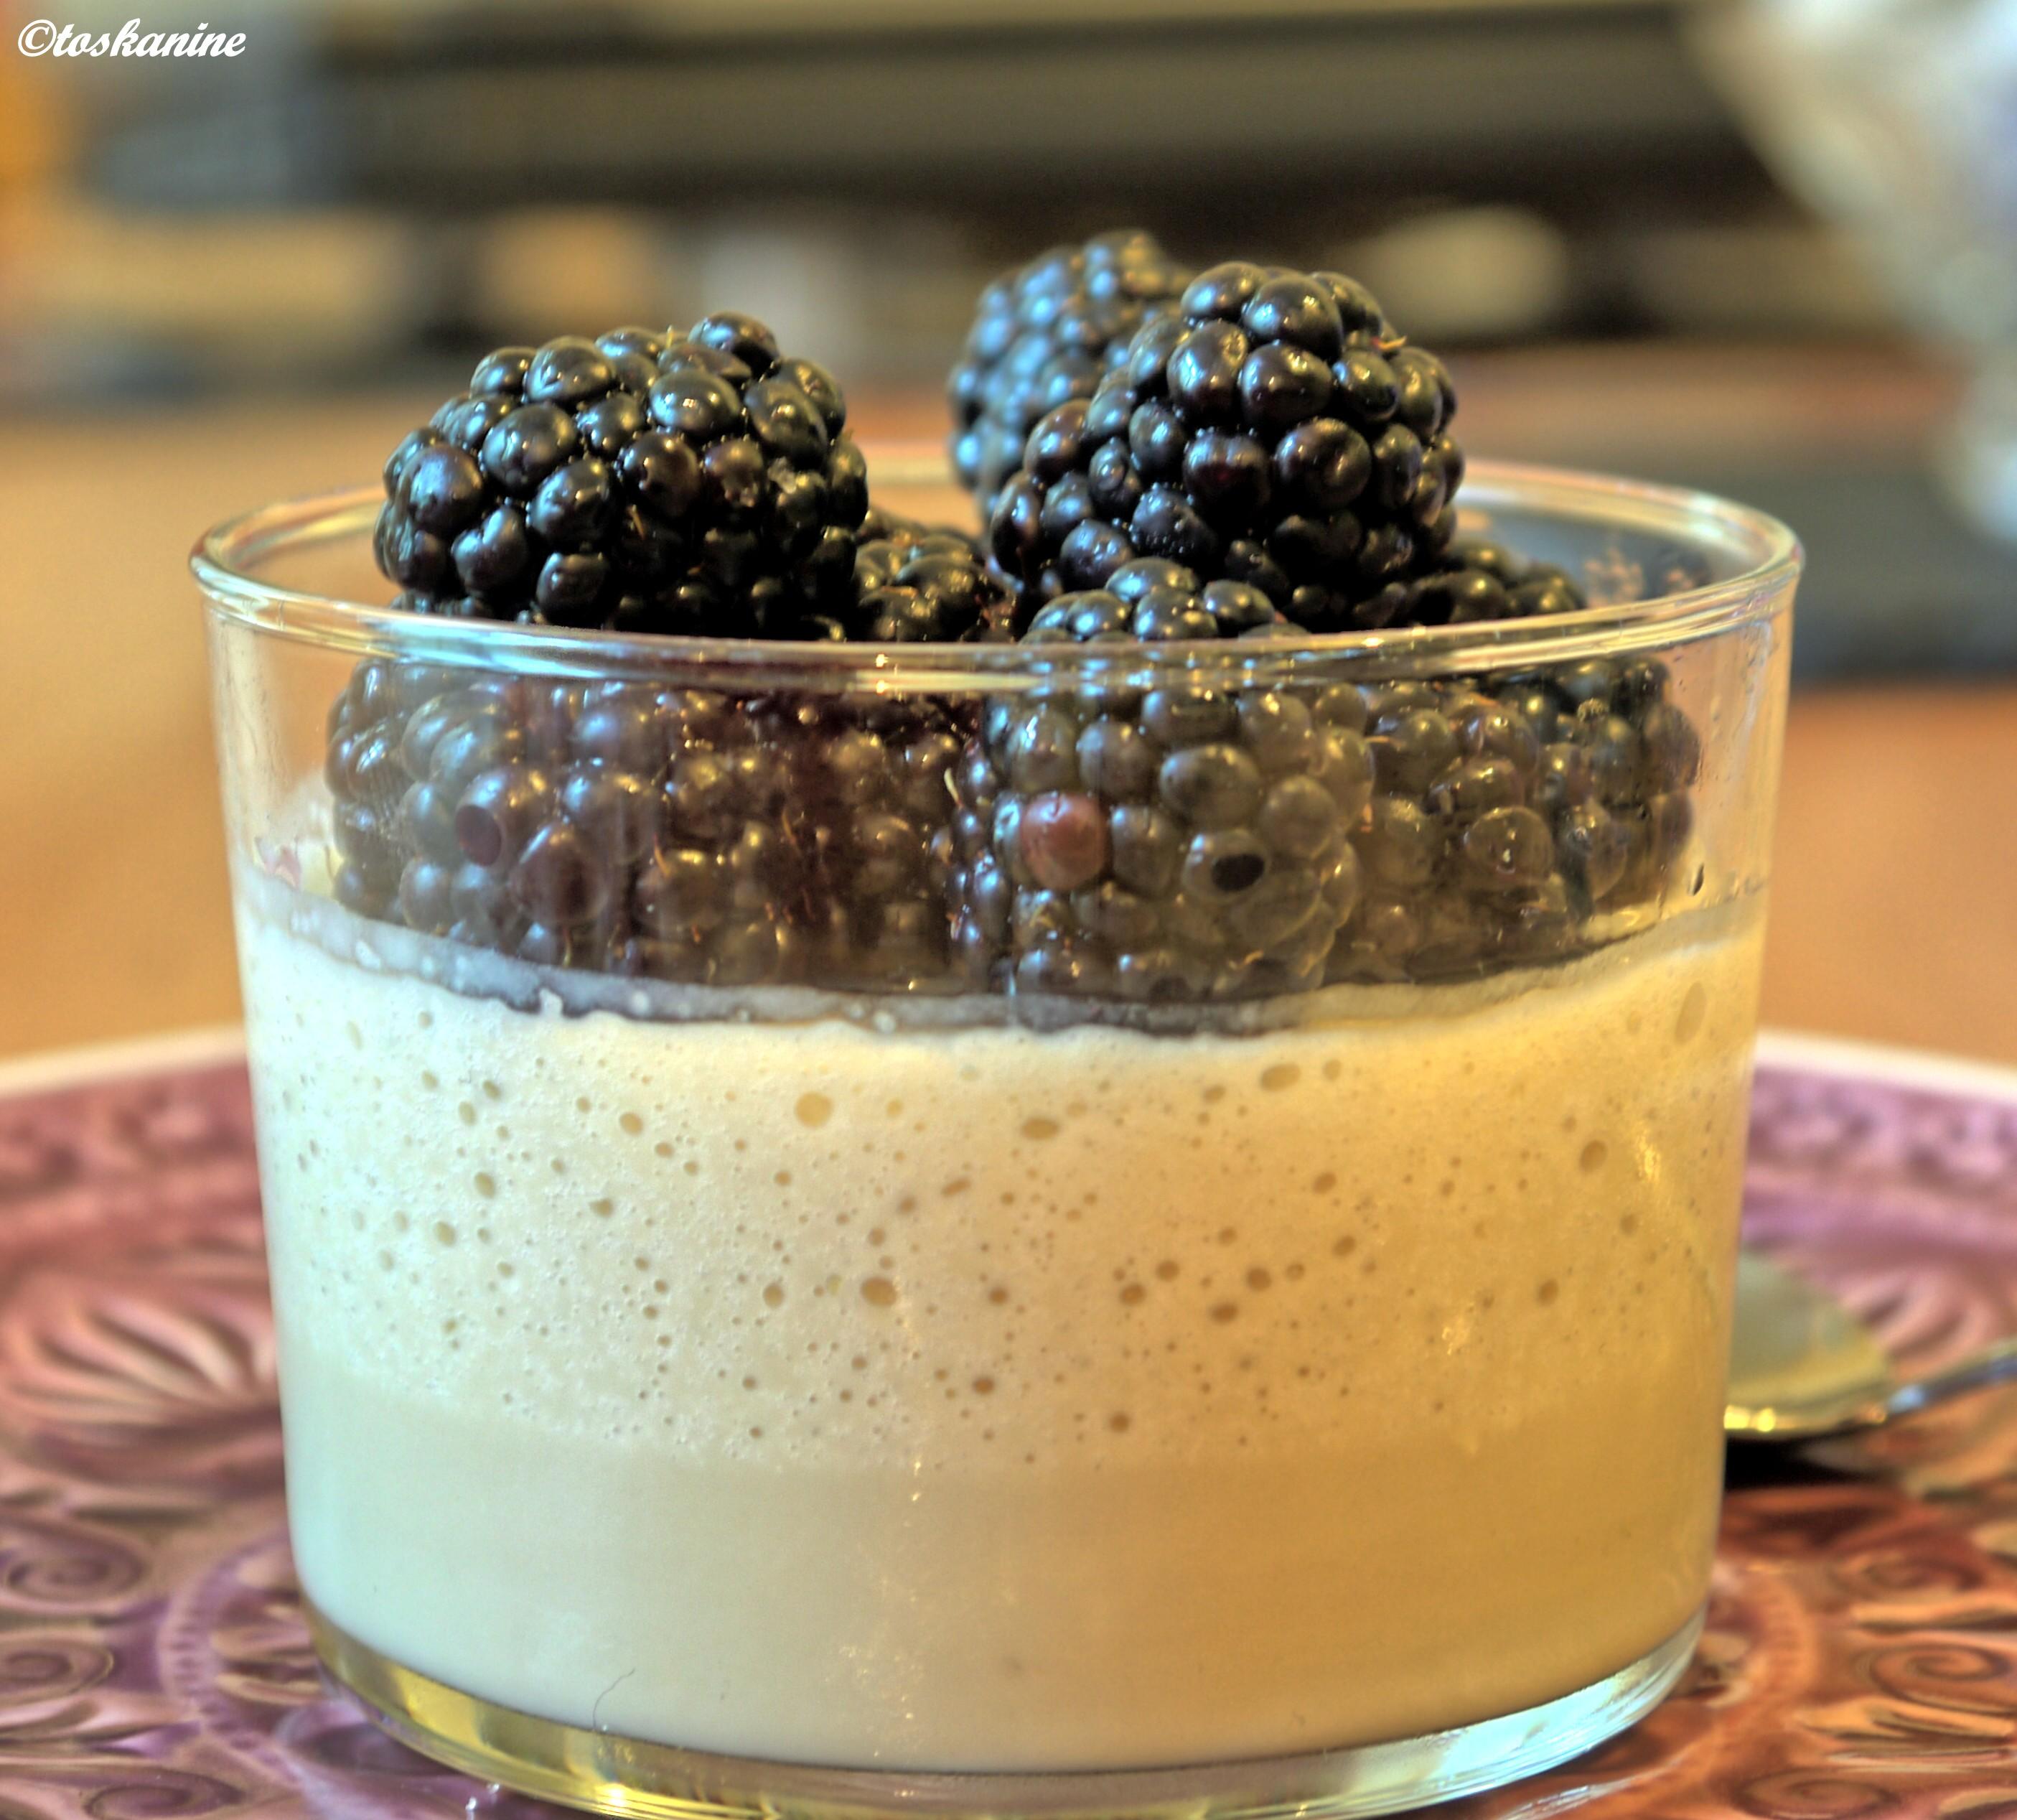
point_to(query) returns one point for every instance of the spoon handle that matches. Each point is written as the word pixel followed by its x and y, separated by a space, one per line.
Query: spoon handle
pixel 1992 1365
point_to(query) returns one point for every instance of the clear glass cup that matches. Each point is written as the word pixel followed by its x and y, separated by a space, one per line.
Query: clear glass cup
pixel 1107 1229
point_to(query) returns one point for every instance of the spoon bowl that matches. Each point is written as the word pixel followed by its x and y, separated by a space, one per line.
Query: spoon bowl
pixel 1803 1368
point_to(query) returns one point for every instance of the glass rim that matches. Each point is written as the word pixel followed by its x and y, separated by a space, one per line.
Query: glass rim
pixel 224 560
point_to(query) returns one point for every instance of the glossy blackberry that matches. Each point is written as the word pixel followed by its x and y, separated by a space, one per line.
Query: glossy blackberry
pixel 1048 333
pixel 1274 430
pixel 672 834
pixel 646 481
pixel 1162 845
pixel 916 583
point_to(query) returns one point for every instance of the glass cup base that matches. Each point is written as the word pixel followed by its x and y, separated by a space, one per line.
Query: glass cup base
pixel 607 1774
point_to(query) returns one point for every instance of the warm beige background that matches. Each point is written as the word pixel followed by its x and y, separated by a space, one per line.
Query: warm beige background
pixel 1895 882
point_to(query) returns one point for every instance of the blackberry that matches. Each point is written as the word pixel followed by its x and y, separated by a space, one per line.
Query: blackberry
pixel 644 481
pixel 608 826
pixel 1186 843
pixel 1167 844
pixel 917 582
pixel 677 834
pixel 1048 333
pixel 871 782
pixel 1273 430
pixel 674 834
pixel 1476 579
pixel 1514 818
pixel 367 773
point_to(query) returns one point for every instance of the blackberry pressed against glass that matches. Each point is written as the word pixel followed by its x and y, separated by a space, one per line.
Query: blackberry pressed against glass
pixel 1178 841
pixel 1109 1152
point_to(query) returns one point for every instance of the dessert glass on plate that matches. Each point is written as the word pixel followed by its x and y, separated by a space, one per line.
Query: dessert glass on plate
pixel 1068 1228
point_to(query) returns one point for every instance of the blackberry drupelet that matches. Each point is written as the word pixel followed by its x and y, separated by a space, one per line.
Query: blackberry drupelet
pixel 1168 844
pixel 1274 430
pixel 645 481
pixel 1048 333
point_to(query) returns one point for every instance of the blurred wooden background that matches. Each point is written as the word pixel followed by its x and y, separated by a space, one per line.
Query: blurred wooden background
pixel 1894 880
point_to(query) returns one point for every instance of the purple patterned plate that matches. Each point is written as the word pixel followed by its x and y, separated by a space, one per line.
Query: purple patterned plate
pixel 1861 1657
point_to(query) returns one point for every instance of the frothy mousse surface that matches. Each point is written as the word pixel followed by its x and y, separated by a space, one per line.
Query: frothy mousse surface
pixel 964 1397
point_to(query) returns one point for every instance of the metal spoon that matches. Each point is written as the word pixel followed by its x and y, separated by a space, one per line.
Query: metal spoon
pixel 1802 1366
